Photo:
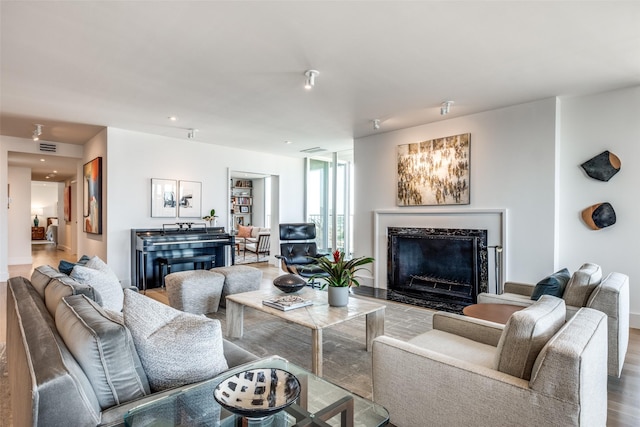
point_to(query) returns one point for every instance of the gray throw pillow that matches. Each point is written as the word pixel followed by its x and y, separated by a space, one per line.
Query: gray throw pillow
pixel 552 285
pixel 41 277
pixel 175 348
pixel 65 286
pixel 104 348
pixel 582 284
pixel 102 280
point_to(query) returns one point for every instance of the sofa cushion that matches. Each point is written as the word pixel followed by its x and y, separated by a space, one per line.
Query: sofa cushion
pixel 104 348
pixel 457 347
pixel 41 277
pixel 526 332
pixel 65 286
pixel 175 348
pixel 582 284
pixel 552 285
pixel 102 280
pixel 244 231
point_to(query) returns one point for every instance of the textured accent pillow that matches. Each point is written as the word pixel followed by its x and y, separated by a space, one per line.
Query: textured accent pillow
pixel 526 332
pixel 105 350
pixel 244 231
pixel 582 284
pixel 175 348
pixel 102 280
pixel 552 285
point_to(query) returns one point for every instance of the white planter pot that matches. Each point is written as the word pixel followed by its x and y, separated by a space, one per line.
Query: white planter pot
pixel 338 297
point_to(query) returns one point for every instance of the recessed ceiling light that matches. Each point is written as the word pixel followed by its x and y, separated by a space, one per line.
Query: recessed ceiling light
pixel 288 142
pixel 55 171
pixel 173 118
pixel 42 160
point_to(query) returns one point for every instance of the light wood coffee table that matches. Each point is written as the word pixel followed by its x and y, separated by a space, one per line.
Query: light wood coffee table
pixel 315 317
pixel 498 313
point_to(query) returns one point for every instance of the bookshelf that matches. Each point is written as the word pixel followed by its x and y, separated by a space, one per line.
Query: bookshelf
pixel 241 201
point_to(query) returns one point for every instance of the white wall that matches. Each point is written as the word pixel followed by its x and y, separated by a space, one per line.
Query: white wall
pixel 513 154
pixel 19 215
pixel 134 158
pixel 590 125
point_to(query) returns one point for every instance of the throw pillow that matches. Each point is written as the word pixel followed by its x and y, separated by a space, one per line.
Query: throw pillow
pixel 244 231
pixel 175 348
pixel 582 284
pixel 66 266
pixel 104 282
pixel 552 285
pixel 104 348
pixel 42 276
pixel 526 333
pixel 65 286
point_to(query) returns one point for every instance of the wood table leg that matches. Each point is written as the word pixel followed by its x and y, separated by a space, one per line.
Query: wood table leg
pixel 375 326
pixel 316 351
pixel 235 319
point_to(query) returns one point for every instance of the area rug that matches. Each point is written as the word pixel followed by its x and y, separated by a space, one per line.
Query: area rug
pixel 250 258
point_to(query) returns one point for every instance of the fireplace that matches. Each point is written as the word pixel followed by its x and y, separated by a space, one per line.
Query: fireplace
pixel 444 269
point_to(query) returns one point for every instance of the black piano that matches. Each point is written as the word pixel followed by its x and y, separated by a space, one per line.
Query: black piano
pixel 176 241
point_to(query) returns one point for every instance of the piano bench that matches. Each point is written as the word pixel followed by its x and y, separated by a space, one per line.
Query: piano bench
pixel 165 263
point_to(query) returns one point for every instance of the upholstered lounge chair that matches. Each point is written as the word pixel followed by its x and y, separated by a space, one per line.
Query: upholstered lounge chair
pixel 586 288
pixel 538 370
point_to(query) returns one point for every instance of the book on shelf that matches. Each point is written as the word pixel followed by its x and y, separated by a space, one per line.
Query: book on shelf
pixel 287 302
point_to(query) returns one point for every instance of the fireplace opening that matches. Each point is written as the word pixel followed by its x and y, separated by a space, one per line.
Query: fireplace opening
pixel 443 269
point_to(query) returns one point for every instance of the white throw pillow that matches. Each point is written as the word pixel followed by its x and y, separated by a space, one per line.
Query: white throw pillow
pixel 176 348
pixel 105 282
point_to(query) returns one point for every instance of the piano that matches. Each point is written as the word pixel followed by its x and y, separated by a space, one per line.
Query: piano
pixel 183 239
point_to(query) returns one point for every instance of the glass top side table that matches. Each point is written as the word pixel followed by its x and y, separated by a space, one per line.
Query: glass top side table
pixel 321 404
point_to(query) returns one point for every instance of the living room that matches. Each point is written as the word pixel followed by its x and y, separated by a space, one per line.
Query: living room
pixel 525 162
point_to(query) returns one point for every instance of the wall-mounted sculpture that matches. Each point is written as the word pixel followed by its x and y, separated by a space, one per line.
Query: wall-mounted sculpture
pixel 599 216
pixel 603 166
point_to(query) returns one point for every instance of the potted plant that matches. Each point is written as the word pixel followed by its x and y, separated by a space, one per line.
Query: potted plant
pixel 341 275
pixel 211 218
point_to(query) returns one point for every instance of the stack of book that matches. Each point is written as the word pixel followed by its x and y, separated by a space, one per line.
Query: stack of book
pixel 287 302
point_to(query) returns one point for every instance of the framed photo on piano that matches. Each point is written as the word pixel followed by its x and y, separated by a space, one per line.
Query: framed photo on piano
pixel 164 198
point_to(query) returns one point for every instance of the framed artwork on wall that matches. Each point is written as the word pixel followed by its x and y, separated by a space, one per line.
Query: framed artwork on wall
pixel 92 196
pixel 164 199
pixel 190 199
pixel 434 172
pixel 67 203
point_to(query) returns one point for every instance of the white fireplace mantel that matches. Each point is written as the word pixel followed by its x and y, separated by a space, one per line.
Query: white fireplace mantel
pixel 492 220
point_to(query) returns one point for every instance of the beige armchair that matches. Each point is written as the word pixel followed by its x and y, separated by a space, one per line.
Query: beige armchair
pixel 586 288
pixel 537 370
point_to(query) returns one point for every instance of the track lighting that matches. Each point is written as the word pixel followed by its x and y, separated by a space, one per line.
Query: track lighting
pixel 376 124
pixel 311 78
pixel 445 107
pixel 37 132
pixel 191 133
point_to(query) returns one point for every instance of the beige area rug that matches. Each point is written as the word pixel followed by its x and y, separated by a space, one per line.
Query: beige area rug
pixel 250 258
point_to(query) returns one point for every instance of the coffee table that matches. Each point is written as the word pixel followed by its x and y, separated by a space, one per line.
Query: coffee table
pixel 315 317
pixel 320 404
pixel 498 313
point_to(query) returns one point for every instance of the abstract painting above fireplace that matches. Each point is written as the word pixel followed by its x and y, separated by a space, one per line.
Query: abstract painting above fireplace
pixel 444 269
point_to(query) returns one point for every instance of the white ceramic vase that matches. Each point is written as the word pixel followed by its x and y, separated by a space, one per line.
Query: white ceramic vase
pixel 338 296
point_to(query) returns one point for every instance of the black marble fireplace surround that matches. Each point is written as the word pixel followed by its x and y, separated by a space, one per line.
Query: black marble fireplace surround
pixel 438 268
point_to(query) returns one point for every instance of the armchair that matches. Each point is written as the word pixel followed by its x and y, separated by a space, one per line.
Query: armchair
pixel 536 370
pixel 262 246
pixel 585 288
pixel 298 251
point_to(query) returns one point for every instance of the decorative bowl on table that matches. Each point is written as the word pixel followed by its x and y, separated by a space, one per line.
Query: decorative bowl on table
pixel 289 283
pixel 257 393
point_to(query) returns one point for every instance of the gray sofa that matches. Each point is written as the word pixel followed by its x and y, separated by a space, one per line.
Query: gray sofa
pixel 586 288
pixel 538 370
pixel 49 387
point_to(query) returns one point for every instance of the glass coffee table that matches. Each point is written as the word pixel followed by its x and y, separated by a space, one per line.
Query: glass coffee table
pixel 320 404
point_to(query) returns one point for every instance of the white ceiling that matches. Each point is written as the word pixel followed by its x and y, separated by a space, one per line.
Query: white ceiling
pixel 234 69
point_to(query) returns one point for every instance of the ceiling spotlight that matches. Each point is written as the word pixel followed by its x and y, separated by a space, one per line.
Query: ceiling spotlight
pixel 191 133
pixel 37 132
pixel 376 124
pixel 445 107
pixel 311 78
pixel 172 118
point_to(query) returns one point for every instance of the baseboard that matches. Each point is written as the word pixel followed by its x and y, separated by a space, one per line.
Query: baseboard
pixel 634 320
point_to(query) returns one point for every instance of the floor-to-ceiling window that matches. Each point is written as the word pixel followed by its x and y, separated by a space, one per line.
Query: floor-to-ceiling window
pixel 329 201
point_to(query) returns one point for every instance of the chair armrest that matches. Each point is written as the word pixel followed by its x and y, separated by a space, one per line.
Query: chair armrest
pixel 478 330
pixel 525 289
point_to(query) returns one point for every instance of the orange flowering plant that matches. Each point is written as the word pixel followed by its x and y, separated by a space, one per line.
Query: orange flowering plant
pixel 341 272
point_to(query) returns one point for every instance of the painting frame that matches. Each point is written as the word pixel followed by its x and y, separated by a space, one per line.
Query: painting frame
pixel 92 196
pixel 434 172
pixel 67 203
pixel 164 202
pixel 189 199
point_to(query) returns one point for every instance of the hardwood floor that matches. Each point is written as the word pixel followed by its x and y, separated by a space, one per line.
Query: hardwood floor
pixel 623 394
